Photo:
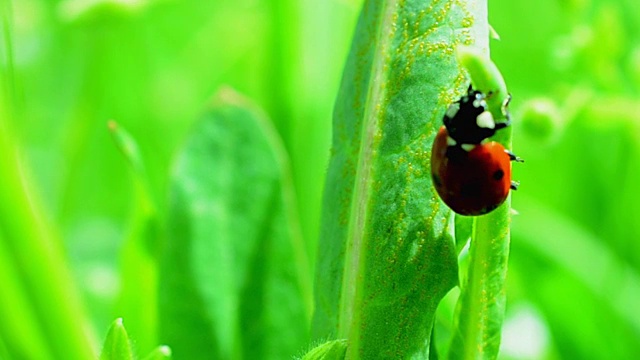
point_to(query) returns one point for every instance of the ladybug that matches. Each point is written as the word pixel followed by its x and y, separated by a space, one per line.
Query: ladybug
pixel 471 174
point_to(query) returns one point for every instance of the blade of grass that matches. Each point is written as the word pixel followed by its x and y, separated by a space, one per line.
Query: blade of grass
pixel 386 255
pixel 40 262
pixel 325 35
pixel 480 308
pixel 139 256
pixel 30 241
pixel 19 327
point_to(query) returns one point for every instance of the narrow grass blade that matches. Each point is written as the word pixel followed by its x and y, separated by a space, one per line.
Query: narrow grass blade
pixel 19 327
pixel 386 255
pixel 233 279
pixel 40 286
pixel 116 345
pixel 137 302
pixel 480 308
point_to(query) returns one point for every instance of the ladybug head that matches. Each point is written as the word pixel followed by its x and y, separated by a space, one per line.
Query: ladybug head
pixel 468 121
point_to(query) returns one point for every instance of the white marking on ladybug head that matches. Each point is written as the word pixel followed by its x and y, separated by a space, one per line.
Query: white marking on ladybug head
pixel 485 120
pixel 468 147
pixel 452 111
pixel 479 101
pixel 451 141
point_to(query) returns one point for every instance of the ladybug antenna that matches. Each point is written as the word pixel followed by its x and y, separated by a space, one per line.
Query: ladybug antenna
pixel 470 89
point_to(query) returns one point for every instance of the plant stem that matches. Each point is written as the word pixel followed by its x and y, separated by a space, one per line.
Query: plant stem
pixel 480 310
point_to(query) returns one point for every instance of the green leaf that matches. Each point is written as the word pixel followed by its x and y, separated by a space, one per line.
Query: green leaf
pixel 386 255
pixel 116 345
pixel 234 277
pixel 331 350
pixel 480 308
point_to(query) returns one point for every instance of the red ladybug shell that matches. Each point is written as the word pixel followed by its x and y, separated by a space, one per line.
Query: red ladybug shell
pixel 471 182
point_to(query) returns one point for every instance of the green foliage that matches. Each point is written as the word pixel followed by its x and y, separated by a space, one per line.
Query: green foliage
pixel 387 255
pixel 118 346
pixel 140 251
pixel 480 310
pixel 96 226
pixel 234 270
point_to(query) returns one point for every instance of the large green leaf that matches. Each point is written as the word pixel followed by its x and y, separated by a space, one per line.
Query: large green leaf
pixel 233 279
pixel 386 254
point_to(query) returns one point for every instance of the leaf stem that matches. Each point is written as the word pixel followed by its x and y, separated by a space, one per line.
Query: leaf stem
pixel 480 309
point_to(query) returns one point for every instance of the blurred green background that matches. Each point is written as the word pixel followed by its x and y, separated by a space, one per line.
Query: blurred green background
pixel 573 67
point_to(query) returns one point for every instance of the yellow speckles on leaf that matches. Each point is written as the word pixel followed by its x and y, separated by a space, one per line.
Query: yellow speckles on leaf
pixel 467 38
pixel 377 137
pixel 441 15
pixel 440 46
pixel 467 21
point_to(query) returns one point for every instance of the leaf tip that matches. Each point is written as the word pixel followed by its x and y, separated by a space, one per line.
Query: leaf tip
pixel 227 95
pixel 112 125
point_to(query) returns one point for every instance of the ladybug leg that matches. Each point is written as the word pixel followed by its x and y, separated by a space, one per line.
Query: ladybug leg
pixel 504 109
pixel 504 124
pixel 514 185
pixel 505 105
pixel 513 157
pixel 505 113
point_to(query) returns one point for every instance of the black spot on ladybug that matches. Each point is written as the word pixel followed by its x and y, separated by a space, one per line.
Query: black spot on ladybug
pixel 498 175
pixel 456 154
